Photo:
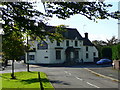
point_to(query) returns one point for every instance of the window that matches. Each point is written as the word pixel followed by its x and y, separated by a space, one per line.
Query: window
pixel 87 55
pixel 94 54
pixel 76 54
pixel 58 43
pixel 42 45
pixel 67 43
pixel 86 48
pixel 58 54
pixel 76 43
pixel 31 57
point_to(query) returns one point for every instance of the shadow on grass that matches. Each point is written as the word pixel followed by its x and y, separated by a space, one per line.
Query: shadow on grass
pixel 34 80
pixel 29 81
pixel 59 82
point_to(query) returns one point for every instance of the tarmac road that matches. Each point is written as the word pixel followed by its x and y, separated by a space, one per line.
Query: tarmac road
pixel 71 77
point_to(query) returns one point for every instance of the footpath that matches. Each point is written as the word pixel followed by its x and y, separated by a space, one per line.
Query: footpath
pixel 106 72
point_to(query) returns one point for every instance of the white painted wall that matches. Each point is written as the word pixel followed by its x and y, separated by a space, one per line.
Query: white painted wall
pixel 51 52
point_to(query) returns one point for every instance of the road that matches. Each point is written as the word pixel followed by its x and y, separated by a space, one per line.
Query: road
pixel 72 77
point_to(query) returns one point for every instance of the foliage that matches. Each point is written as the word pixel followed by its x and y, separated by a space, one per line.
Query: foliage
pixel 91 10
pixel 25 80
pixel 106 52
pixel 116 52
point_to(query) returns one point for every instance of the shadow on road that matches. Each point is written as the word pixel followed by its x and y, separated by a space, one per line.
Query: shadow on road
pixel 85 65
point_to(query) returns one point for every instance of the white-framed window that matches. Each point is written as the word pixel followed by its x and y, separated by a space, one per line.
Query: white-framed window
pixel 31 57
pixel 58 54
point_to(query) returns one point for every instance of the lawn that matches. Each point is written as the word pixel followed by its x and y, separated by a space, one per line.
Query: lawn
pixel 25 80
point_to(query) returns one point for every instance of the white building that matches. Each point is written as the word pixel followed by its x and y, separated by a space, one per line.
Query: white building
pixel 74 48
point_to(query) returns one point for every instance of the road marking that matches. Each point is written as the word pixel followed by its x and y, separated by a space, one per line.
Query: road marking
pixel 79 78
pixel 93 85
pixel 69 73
pixel 65 71
pixel 102 75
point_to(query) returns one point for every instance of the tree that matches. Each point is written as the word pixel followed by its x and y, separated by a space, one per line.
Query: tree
pixel 13 48
pixel 21 18
pixel 91 10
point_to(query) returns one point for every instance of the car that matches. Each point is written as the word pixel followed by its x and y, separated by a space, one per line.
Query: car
pixel 104 61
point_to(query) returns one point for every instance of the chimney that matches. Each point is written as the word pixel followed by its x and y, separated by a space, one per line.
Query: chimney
pixel 86 35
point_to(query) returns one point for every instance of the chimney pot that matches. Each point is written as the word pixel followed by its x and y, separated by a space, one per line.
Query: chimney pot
pixel 86 35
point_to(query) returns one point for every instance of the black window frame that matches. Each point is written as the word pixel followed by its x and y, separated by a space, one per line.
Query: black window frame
pixel 94 53
pixel 57 43
pixel 86 48
pixel 76 43
pixel 58 54
pixel 76 54
pixel 67 42
pixel 87 55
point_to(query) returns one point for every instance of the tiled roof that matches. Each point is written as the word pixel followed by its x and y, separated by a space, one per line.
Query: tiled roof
pixel 72 33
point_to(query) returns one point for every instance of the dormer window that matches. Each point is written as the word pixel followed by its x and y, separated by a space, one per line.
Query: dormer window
pixel 67 43
pixel 76 43
pixel 58 43
pixel 42 45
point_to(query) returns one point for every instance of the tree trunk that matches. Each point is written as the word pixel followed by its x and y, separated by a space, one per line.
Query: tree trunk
pixel 28 67
pixel 12 75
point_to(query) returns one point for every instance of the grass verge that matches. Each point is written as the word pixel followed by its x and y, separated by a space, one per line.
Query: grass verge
pixel 25 80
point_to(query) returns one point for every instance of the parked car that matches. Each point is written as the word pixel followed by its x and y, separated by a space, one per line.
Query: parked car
pixel 104 61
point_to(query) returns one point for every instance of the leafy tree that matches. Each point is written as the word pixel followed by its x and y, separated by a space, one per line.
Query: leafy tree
pixel 91 10
pixel 13 48
pixel 107 52
pixel 21 18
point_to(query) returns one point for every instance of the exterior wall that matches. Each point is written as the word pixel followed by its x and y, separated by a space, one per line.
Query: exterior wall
pixel 48 56
pixel 91 50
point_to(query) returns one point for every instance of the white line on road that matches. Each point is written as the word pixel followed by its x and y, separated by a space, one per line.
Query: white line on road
pixel 79 78
pixel 69 73
pixel 93 85
pixel 65 71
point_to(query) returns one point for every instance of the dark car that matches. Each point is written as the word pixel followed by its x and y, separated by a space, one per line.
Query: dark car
pixel 104 61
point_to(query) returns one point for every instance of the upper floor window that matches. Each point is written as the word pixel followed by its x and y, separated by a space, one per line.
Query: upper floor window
pixel 76 43
pixel 67 43
pixel 87 48
pixel 58 43
pixel 42 45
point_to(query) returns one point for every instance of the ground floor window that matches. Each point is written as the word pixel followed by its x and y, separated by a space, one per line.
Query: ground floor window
pixel 31 57
pixel 58 54
pixel 76 54
pixel 87 55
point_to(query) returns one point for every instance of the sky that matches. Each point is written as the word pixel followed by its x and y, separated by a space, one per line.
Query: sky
pixel 102 30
